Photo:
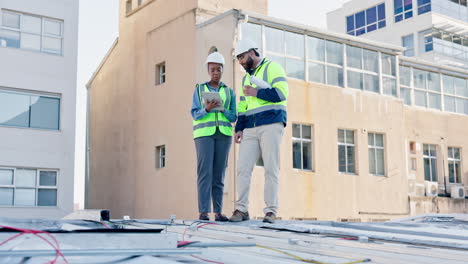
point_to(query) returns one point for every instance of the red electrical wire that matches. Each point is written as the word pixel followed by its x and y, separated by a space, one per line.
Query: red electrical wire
pixel 37 233
pixel 104 224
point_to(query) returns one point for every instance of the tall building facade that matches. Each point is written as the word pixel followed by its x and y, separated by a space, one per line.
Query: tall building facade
pixel 38 51
pixel 353 148
pixel 435 30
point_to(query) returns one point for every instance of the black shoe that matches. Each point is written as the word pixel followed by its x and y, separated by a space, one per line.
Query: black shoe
pixel 204 217
pixel 219 217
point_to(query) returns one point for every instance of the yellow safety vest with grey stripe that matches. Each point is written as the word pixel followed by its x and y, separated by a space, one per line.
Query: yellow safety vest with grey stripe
pixel 207 125
pixel 253 109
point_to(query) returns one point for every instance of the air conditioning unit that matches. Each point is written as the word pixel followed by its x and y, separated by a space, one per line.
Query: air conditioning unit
pixel 432 188
pixel 457 192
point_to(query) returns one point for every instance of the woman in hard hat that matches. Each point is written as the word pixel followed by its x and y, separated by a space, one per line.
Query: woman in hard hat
pixel 212 132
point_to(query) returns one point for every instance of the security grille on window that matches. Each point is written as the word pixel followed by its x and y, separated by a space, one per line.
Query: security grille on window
pixel 29 32
pixel 161 156
pixel 302 147
pixel 28 187
pixel 366 21
pixel 346 151
pixel 21 109
pixel 454 163
pixel 376 154
pixel 403 9
pixel 430 162
pixel 161 73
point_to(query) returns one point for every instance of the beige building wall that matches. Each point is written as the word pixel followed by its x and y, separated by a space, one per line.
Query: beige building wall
pixel 130 116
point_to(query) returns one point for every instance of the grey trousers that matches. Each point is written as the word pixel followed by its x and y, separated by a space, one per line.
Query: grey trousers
pixel 212 157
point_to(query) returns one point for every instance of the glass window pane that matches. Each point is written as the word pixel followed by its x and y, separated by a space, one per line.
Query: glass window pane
pixel 426 149
pixel 405 94
pixel 349 136
pixel 405 76
pixel 47 197
pixel 419 78
pixel 434 101
pixel 334 52
pixel 294 44
pixel 370 139
pixel 31 24
pixel 389 86
pixel 277 59
pixel 371 28
pixel 48 178
pixel 30 41
pixel 451 169
pixel 448 83
pixel 379 140
pixel 53 27
pixel 25 178
pixel 14 109
pixel 372 167
pixel 388 64
pixel 11 20
pixel 306 132
pixel 371 83
pixel 456 153
pixel 25 197
pixel 355 80
pixel 342 158
pixel 6 177
pixel 458 172
pixel 380 162
pixel 341 135
pixel 335 76
pixel 316 72
pixel 274 40
pixel 461 87
pixel 449 103
pixel 6 196
pixel 434 170
pixel 370 60
pixel 462 106
pixel 351 159
pixel 9 38
pixel 433 81
pixel 382 24
pixel 252 32
pixel 381 11
pixel 427 169
pixel 360 19
pixel 296 130
pixel 420 98
pixel 295 68
pixel 408 41
pixel 371 15
pixel 306 156
pixel 349 23
pixel 316 49
pixel 432 151
pixel 354 57
pixel 297 155
pixel 52 45
pixel 45 112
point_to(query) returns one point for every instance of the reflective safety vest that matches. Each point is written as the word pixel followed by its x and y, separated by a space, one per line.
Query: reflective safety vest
pixel 207 125
pixel 250 106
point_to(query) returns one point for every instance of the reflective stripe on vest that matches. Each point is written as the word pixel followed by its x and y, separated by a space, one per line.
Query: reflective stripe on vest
pixel 207 125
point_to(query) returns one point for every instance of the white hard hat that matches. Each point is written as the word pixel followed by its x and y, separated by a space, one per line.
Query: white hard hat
pixel 244 45
pixel 215 57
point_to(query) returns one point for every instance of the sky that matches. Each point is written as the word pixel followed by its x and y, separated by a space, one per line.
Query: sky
pixel 98 28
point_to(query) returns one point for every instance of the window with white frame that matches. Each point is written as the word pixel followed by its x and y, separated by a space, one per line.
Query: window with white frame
pixel 22 109
pixel 430 162
pixel 31 32
pixel 376 154
pixel 389 81
pixel 366 21
pixel 403 9
pixel 287 49
pixel 363 68
pixel 427 37
pixel 424 6
pixel 160 73
pixel 160 156
pixel 405 84
pixel 427 90
pixel 408 43
pixel 302 147
pixel 325 61
pixel 454 163
pixel 346 151
pixel 455 94
pixel 28 187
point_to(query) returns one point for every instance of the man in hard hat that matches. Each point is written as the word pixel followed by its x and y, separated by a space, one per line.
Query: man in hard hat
pixel 212 132
pixel 260 127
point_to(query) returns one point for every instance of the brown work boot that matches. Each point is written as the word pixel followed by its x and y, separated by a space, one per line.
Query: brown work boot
pixel 204 217
pixel 239 216
pixel 219 217
pixel 269 218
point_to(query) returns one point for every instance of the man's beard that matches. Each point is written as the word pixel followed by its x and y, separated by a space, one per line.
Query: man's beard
pixel 249 64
